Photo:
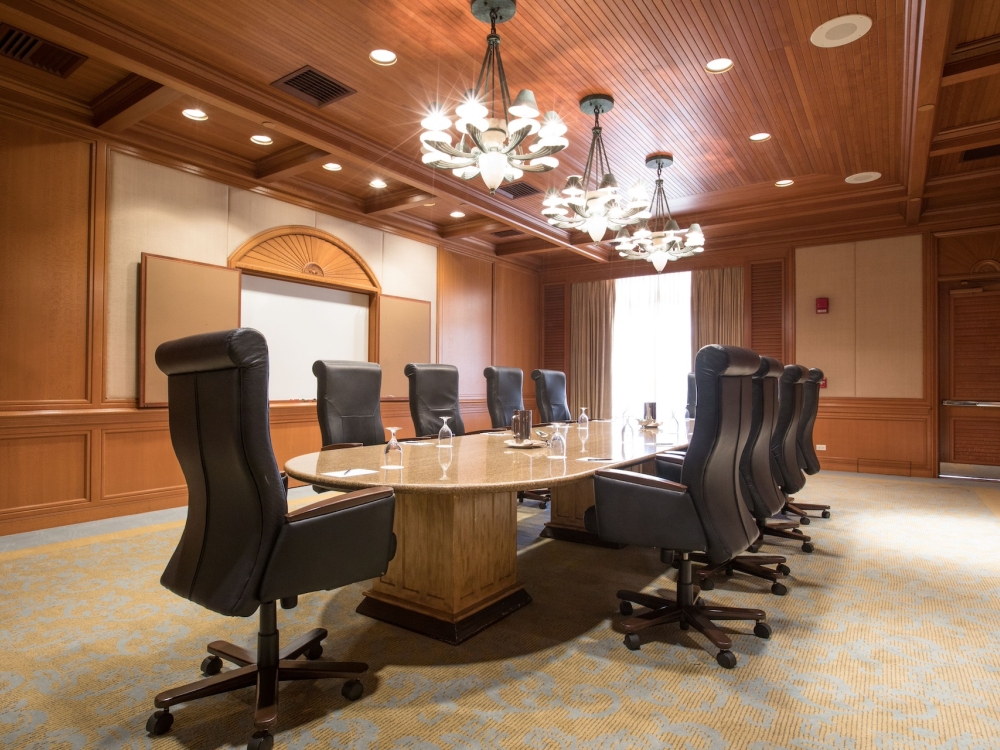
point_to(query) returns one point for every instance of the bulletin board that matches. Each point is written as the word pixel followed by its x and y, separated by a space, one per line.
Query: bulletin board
pixel 404 337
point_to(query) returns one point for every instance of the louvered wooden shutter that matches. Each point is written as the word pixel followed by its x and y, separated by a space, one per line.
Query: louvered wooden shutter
pixel 767 294
pixel 554 344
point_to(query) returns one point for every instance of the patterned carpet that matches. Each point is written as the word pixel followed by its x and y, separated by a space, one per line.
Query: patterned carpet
pixel 889 638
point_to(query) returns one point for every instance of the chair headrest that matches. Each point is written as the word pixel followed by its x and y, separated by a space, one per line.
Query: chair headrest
pixel 716 360
pixel 769 368
pixel 412 369
pixel 335 366
pixel 794 374
pixel 815 375
pixel 219 350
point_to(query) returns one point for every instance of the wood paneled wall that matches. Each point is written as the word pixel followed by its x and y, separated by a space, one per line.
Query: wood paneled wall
pixel 69 453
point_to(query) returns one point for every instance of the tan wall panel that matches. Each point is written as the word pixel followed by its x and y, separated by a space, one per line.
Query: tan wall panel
pixel 404 337
pixel 884 438
pixel 827 341
pixel 518 321
pixel 295 438
pixel 43 470
pixel 139 462
pixel 890 319
pixel 465 309
pixel 44 264
pixel 252 213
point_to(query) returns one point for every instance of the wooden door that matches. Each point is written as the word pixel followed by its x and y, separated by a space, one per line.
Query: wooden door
pixel 969 338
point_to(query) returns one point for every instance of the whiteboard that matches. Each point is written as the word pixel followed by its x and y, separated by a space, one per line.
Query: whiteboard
pixel 303 323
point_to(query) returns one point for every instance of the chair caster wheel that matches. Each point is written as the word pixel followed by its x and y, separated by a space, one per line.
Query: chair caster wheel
pixel 807 547
pixel 762 630
pixel 707 585
pixel 543 506
pixel 632 642
pixel 625 608
pixel 784 569
pixel 730 570
pixel 753 548
pixel 779 589
pixel 700 602
pixel 261 741
pixel 804 520
pixel 352 690
pixel 520 499
pixel 159 723
pixel 211 665
pixel 314 652
pixel 826 514
pixel 726 659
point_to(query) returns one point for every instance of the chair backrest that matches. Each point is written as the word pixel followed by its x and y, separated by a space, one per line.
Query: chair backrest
pixel 503 393
pixel 808 459
pixel 711 465
pixel 784 441
pixel 550 395
pixel 348 402
pixel 433 395
pixel 692 400
pixel 218 411
pixel 757 467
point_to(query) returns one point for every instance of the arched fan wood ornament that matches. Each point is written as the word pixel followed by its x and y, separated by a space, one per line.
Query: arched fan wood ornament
pixel 306 255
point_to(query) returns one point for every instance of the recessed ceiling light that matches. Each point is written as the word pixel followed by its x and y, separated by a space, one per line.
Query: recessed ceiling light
pixel 382 57
pixel 377 183
pixel 862 177
pixel 719 65
pixel 756 137
pixel 456 214
pixel 428 204
pixel 784 183
pixel 332 166
pixel 194 114
pixel 840 31
pixel 261 140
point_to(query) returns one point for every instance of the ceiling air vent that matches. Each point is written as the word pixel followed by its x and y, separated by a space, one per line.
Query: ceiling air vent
pixel 311 86
pixel 515 190
pixel 508 233
pixel 981 153
pixel 38 53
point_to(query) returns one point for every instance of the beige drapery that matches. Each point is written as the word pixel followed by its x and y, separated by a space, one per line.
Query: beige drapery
pixel 592 311
pixel 716 308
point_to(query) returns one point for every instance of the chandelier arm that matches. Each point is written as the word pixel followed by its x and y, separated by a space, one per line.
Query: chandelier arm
pixel 543 151
pixel 535 168
pixel 450 165
pixel 515 139
pixel 445 148
pixel 476 135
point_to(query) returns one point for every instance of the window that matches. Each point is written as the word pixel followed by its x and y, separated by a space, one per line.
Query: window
pixel 651 345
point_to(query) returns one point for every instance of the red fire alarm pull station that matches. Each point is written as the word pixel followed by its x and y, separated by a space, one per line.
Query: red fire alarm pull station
pixel 822 383
pixel 822 305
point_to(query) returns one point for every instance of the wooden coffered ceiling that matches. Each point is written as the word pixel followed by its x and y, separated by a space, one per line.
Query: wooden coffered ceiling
pixel 831 112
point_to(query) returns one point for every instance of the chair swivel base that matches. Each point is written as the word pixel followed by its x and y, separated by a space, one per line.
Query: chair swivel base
pixel 542 497
pixel 783 532
pixel 754 565
pixel 271 666
pixel 688 610
pixel 800 509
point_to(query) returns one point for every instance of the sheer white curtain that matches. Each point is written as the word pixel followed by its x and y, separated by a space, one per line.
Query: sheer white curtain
pixel 651 344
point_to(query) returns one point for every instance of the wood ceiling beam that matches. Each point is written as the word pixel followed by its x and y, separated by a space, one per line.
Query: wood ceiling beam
pixel 473 226
pixel 971 68
pixel 129 101
pixel 397 201
pixel 535 245
pixel 966 137
pixel 99 36
pixel 287 162
pixel 932 50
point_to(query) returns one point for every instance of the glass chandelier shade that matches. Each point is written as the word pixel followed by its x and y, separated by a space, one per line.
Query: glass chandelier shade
pixel 497 138
pixel 658 238
pixel 592 202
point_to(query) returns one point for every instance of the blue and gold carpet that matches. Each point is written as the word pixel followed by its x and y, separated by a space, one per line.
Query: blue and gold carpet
pixel 888 638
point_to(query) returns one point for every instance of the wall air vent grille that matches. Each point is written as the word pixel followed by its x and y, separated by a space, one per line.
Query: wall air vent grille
pixel 29 49
pixel 981 153
pixel 311 86
pixel 515 190
pixel 508 233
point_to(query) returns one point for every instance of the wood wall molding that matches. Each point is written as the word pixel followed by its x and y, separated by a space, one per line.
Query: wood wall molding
pixel 129 101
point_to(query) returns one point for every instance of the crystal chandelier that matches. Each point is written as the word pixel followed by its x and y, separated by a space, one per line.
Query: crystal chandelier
pixel 659 238
pixel 490 143
pixel 591 203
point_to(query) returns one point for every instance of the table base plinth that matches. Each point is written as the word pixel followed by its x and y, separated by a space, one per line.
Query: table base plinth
pixel 450 630
pixel 578 536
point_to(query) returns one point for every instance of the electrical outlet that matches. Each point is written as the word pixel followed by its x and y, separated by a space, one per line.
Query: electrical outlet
pixel 821 447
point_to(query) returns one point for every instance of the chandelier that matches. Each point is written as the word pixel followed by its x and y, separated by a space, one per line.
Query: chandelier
pixel 591 203
pixel 490 143
pixel 658 238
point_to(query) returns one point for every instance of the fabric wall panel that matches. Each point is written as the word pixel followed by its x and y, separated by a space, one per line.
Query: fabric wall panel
pixel 251 213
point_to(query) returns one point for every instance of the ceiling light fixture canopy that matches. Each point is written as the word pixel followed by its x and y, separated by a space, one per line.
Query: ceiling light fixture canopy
pixel 592 202
pixel 659 239
pixel 493 131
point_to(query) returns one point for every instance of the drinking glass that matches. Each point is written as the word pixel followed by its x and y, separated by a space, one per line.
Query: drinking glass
pixel 628 434
pixel 557 445
pixel 444 459
pixel 516 426
pixel 393 451
pixel 445 434
pixel 584 421
pixel 677 422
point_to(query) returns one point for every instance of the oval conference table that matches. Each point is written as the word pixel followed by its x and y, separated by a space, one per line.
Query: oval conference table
pixel 455 568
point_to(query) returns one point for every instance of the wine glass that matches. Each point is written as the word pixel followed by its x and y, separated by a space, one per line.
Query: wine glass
pixel 628 434
pixel 557 444
pixel 445 434
pixel 393 451
pixel 676 421
pixel 584 421
pixel 444 459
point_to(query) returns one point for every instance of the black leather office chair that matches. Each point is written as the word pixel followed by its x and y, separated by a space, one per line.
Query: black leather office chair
pixel 433 395
pixel 784 441
pixel 692 398
pixel 503 394
pixel 704 513
pixel 242 550
pixel 808 459
pixel 348 402
pixel 550 395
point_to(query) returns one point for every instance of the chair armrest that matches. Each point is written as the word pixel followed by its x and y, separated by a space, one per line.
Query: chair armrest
pixel 669 466
pixel 338 503
pixel 644 480
pixel 339 446
pixel 495 430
